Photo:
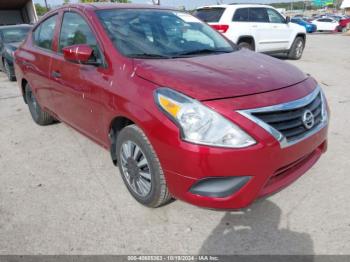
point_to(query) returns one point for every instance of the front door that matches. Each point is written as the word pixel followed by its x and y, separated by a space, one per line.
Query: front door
pixel 280 31
pixel 76 87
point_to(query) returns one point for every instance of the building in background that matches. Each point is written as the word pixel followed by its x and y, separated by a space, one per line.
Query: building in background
pixel 346 6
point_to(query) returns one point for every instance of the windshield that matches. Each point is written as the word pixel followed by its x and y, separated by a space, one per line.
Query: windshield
pixel 147 33
pixel 16 34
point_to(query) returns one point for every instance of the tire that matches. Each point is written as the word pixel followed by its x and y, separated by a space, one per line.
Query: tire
pixel 246 45
pixel 135 173
pixel 296 51
pixel 39 116
pixel 7 70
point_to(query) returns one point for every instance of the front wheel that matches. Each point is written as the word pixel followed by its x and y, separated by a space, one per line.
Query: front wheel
pixel 140 168
pixel 297 49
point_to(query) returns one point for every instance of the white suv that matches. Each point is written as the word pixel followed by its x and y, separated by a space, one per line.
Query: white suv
pixel 257 27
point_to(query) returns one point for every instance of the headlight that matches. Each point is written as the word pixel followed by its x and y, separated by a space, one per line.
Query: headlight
pixel 198 123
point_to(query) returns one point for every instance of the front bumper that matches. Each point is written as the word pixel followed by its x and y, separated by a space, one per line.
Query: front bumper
pixel 270 169
pixel 269 166
pixel 311 29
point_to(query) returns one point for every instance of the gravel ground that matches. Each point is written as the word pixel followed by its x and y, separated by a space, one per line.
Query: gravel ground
pixel 60 193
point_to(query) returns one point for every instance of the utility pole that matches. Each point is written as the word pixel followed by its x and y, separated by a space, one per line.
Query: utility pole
pixel 46 5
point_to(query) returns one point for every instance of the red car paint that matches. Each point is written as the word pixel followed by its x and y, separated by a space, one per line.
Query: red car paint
pixel 343 23
pixel 89 98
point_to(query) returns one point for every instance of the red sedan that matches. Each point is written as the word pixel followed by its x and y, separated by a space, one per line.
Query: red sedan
pixel 183 112
pixel 343 24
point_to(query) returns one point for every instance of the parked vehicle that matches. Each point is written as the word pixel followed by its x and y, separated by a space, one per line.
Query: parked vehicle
pixel 309 27
pixel 306 18
pixel 326 24
pixel 10 38
pixel 257 27
pixel 183 112
pixel 16 12
pixel 343 24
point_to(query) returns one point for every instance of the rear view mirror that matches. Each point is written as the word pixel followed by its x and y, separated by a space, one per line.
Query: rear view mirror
pixel 81 54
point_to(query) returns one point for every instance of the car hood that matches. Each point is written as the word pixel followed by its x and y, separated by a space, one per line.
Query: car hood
pixel 211 77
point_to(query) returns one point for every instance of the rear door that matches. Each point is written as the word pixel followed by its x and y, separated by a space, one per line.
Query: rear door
pixel 76 87
pixel 330 24
pixel 325 24
pixel 260 28
pixel 240 24
pixel 38 59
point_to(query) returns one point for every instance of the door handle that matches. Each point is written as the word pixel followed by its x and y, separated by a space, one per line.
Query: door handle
pixel 26 64
pixel 254 26
pixel 56 74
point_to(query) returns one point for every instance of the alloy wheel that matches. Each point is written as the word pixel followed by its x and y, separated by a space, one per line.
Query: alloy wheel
pixel 136 168
pixel 299 48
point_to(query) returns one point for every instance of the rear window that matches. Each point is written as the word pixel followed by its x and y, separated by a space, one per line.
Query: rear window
pixel 210 15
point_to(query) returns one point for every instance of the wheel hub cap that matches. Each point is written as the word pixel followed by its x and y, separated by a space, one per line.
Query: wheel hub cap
pixel 135 168
pixel 132 168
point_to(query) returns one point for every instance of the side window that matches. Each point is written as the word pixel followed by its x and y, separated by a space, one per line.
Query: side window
pixel 74 31
pixel 241 15
pixel 275 17
pixel 44 33
pixel 258 15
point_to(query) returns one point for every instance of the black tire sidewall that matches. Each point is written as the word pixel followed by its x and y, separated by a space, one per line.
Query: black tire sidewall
pixel 294 46
pixel 35 115
pixel 8 70
pixel 245 45
pixel 131 133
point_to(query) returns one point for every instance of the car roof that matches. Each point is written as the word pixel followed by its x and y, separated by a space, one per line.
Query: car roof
pixel 233 6
pixel 103 6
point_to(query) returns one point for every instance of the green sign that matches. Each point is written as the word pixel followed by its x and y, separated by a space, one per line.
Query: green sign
pixel 322 3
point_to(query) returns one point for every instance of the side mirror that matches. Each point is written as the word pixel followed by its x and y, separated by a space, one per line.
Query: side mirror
pixel 78 53
pixel 287 19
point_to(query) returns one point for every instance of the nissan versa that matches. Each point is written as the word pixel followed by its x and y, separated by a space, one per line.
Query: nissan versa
pixel 183 112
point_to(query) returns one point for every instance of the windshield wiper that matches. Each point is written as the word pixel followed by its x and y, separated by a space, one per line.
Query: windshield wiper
pixel 204 51
pixel 144 55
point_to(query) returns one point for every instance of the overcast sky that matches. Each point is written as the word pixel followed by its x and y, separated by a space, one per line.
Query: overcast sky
pixel 188 3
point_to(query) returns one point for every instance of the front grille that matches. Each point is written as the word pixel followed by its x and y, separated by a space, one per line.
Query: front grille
pixel 290 122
